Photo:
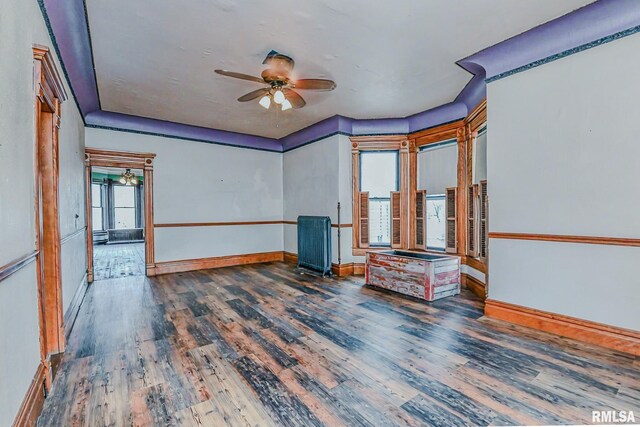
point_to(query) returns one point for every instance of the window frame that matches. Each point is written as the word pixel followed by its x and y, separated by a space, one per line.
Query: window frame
pixel 360 144
pixel 100 184
pixel 397 187
pixel 135 207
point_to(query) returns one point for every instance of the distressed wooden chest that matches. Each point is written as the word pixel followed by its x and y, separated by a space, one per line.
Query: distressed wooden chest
pixel 420 275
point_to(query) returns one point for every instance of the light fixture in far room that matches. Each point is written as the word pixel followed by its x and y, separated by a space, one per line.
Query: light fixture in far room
pixel 265 101
pixel 278 97
pixel 128 178
pixel 286 105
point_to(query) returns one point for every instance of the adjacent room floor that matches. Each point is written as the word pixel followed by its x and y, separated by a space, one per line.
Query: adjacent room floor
pixel 118 260
pixel 262 345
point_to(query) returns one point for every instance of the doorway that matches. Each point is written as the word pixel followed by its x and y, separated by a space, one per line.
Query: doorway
pixel 117 208
pixel 119 192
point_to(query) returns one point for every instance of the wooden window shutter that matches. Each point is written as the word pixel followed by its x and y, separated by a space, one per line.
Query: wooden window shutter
pixel 396 220
pixel 484 230
pixel 364 219
pixel 472 228
pixel 421 219
pixel 450 208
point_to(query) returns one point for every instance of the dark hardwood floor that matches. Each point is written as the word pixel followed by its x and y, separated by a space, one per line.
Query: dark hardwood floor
pixel 118 260
pixel 263 346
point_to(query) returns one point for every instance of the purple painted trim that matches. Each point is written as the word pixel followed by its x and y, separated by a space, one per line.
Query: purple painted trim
pixel 473 93
pixel 436 116
pixel 125 122
pixel 319 130
pixel 68 23
pixel 592 22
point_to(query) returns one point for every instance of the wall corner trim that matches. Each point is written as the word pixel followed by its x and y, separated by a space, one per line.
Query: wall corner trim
pixel 612 337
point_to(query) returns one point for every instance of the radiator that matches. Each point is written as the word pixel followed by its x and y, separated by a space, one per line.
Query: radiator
pixel 314 243
pixel 126 235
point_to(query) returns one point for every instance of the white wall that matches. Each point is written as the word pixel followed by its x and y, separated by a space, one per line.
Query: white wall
pixel 563 159
pixel 21 25
pixel 317 177
pixel 438 169
pixel 199 182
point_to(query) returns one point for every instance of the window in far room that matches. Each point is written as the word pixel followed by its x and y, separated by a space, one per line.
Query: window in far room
pixel 379 178
pixel 436 222
pixel 96 207
pixel 124 206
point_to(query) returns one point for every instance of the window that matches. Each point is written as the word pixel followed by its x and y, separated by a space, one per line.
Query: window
pixel 436 222
pixel 96 207
pixel 124 206
pixel 379 177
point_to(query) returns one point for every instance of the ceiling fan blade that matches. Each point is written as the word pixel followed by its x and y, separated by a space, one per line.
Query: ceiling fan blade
pixel 253 95
pixel 315 84
pixel 294 98
pixel 239 76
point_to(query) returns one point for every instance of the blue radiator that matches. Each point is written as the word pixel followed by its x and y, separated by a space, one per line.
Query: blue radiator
pixel 314 243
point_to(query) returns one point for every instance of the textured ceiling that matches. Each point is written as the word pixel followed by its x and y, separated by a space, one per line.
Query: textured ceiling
pixel 389 59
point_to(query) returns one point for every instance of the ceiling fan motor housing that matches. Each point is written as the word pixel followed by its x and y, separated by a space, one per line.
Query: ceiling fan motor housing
pixel 280 67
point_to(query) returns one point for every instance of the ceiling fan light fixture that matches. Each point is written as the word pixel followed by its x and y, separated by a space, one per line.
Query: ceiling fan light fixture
pixel 286 105
pixel 278 97
pixel 265 101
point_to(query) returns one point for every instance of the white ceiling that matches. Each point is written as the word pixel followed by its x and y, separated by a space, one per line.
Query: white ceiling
pixel 389 58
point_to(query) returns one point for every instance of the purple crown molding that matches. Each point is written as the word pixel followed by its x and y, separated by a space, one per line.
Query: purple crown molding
pixel 143 125
pixel 67 23
pixel 580 27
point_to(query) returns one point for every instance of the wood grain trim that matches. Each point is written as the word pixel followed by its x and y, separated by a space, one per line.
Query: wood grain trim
pixel 72 235
pixel 340 270
pixel 15 265
pixel 386 142
pixel 436 134
pixel 475 263
pixel 478 116
pixel 33 401
pixel 612 337
pixel 180 266
pixel 473 284
pixel 96 153
pixel 215 224
pixel 593 240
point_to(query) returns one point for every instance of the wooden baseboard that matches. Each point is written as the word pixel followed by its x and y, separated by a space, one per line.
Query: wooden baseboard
pixel 473 284
pixel 33 400
pixel 74 308
pixel 290 257
pixel 167 267
pixel 340 270
pixel 474 263
pixel 613 337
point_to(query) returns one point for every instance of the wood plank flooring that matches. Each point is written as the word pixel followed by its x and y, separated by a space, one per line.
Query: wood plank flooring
pixel 262 345
pixel 118 260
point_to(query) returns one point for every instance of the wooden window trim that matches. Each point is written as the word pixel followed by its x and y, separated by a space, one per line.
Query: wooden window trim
pixel 360 144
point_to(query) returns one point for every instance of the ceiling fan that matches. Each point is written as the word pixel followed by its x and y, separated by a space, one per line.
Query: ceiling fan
pixel 281 85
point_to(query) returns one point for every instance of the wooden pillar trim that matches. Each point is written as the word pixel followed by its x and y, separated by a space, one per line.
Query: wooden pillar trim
pixel 461 194
pixel 49 93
